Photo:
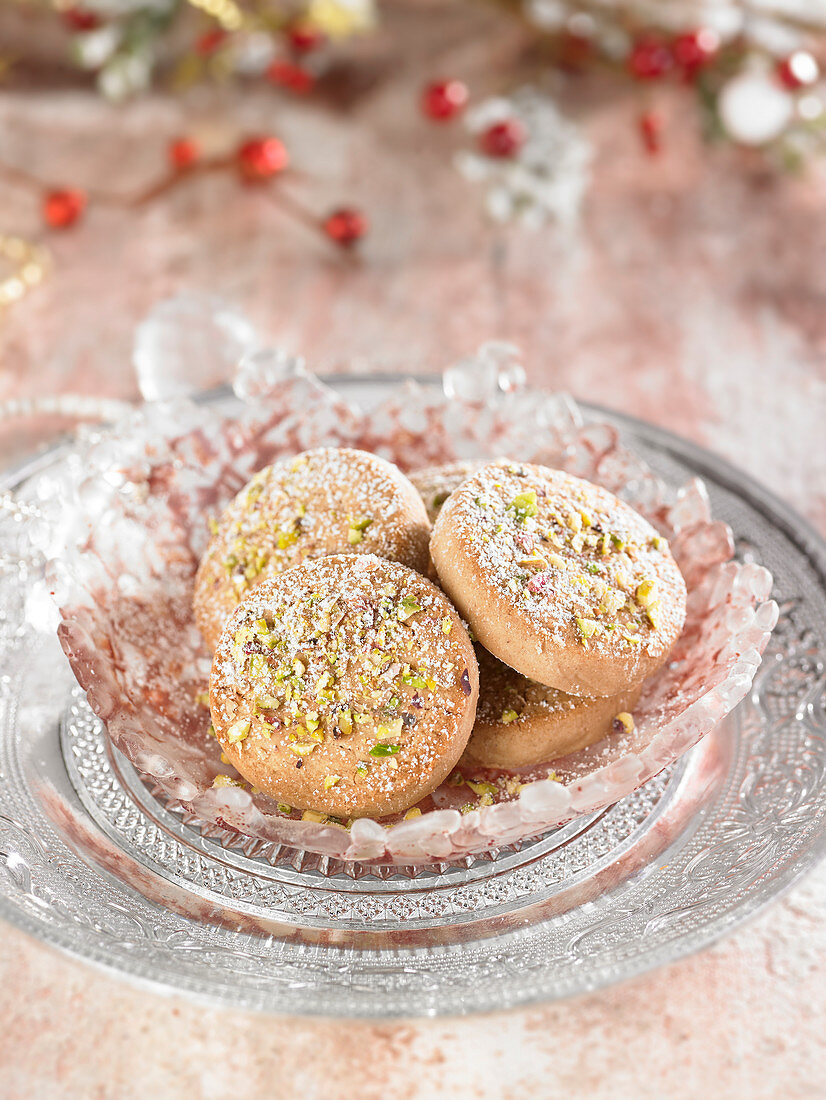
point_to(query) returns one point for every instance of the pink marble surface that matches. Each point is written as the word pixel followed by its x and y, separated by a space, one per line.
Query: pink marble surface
pixel 693 296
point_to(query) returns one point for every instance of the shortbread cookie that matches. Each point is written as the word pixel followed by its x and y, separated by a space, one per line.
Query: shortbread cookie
pixel 520 722
pixel 559 578
pixel 327 501
pixel 346 686
pixel 436 483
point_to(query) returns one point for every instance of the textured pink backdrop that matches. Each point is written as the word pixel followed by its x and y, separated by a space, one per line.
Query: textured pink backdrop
pixel 694 296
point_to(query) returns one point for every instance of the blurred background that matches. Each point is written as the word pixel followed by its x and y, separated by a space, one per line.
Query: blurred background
pixel 634 194
pixel 631 192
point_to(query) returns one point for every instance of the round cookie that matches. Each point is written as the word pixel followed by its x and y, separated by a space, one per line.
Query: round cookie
pixel 559 578
pixel 326 501
pixel 436 483
pixel 520 723
pixel 346 685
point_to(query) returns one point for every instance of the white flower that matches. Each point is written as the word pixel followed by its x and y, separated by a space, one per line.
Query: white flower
pixel 254 53
pixel 548 15
pixel 547 178
pixel 94 48
pixel 754 109
pixel 124 75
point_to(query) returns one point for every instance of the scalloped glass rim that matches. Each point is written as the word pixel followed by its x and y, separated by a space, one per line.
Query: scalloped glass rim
pixel 144 486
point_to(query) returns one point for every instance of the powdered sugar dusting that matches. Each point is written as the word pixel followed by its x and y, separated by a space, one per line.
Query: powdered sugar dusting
pixel 578 566
pixel 324 501
pixel 346 685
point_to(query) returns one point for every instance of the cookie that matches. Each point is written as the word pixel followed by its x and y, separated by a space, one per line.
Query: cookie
pixel 327 501
pixel 520 723
pixel 436 483
pixel 559 578
pixel 345 686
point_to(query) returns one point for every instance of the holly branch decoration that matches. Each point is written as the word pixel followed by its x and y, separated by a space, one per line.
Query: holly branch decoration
pixel 128 43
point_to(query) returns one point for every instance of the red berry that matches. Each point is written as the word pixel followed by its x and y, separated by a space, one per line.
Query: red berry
pixel 304 37
pixel 80 20
pixel 650 58
pixel 503 139
pixel 444 99
pixel 184 152
pixel 797 70
pixel 63 207
pixel 210 41
pixel 260 158
pixel 346 226
pixel 651 126
pixel 291 76
pixel 694 49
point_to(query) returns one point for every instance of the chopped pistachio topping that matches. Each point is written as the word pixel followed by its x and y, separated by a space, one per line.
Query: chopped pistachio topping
pixel 645 593
pixel 324 680
pixel 509 716
pixel 623 722
pixel 384 750
pixel 410 677
pixel 358 525
pixel 302 748
pixel 407 607
pixel 286 538
pixel 314 815
pixel 266 702
pixel 587 627
pixel 535 561
pixel 524 505
pixel 390 732
pixel 611 602
pixel 238 730
pixel 226 781
pixel 284 808
pixel 480 787
pixel 414 812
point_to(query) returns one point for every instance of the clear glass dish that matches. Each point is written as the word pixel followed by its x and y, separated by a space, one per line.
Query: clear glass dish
pixel 94 860
pixel 134 524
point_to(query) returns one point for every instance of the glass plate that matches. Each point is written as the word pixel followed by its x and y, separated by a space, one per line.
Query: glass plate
pixel 94 862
